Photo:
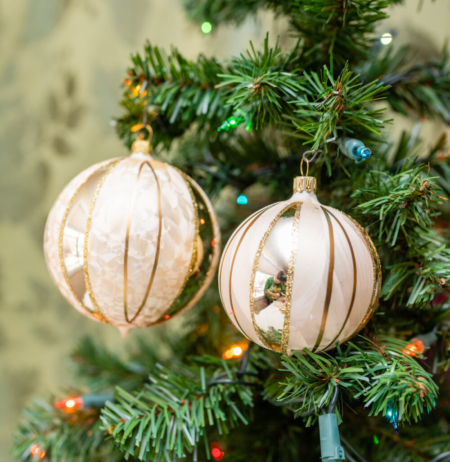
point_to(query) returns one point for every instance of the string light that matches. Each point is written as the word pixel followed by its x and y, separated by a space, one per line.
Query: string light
pixel 216 451
pixel 234 352
pixel 202 221
pixel 242 199
pixel 414 348
pixel 70 404
pixel 37 452
pixel 392 415
pixel 233 122
pixel 166 316
pixel 375 439
pixel 386 38
pixel 206 27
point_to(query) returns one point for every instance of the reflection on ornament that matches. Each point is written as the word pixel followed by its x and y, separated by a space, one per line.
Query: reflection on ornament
pixel 123 241
pixel 298 274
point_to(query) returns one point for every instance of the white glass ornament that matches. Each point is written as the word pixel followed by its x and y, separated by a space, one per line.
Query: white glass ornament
pixel 329 265
pixel 132 241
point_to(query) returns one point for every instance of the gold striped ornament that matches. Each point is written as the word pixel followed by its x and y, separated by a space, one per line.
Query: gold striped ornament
pixel 132 241
pixel 325 271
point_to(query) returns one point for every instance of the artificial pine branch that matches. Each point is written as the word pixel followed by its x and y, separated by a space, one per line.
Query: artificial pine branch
pixel 382 374
pixel 63 437
pixel 171 415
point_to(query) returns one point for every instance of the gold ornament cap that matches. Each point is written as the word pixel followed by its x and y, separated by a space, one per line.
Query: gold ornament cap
pixel 141 146
pixel 305 183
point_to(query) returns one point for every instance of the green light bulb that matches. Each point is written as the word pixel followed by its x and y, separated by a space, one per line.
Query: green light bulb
pixel 206 27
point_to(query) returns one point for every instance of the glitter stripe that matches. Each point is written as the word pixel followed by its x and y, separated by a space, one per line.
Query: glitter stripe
pixel 290 280
pixel 256 264
pixel 87 279
pixel 233 261
pixel 98 316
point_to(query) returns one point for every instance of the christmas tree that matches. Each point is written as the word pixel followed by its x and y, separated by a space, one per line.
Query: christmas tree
pixel 241 128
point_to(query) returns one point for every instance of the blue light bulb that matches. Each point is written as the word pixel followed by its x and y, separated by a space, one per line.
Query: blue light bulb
pixel 363 152
pixel 242 199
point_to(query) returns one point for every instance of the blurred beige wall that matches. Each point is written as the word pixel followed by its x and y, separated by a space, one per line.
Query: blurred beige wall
pixel 61 62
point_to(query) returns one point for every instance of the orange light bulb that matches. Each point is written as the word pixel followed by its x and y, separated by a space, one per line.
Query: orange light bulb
pixel 70 404
pixel 237 351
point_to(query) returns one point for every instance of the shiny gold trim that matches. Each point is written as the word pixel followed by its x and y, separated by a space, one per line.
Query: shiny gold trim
pixel 255 269
pixel 377 277
pixel 141 146
pixel 355 282
pixel 194 244
pixel 87 279
pixel 290 281
pixel 61 238
pixel 127 240
pixel 305 183
pixel 252 222
pixel 326 306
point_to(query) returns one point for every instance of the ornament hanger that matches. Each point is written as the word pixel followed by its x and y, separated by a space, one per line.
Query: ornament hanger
pixel 307 166
pixel 141 144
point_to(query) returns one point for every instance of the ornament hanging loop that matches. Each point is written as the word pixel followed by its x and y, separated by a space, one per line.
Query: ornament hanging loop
pixel 307 166
pixel 140 144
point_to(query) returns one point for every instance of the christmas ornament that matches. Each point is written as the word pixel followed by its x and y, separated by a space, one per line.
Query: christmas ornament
pixel 298 274
pixel 132 241
pixel 355 149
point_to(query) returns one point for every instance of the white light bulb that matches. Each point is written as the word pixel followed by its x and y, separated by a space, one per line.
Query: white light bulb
pixel 386 38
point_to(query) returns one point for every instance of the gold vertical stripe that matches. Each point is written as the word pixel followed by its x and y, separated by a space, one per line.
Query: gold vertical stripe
pixel 61 238
pixel 194 244
pixel 377 277
pixel 233 261
pixel 290 280
pixel 326 306
pixel 255 268
pixel 87 279
pixel 355 282
pixel 127 239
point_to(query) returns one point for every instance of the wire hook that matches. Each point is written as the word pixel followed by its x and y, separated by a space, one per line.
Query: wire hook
pixel 138 127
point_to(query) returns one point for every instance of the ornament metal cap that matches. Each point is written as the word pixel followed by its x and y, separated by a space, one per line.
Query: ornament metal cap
pixel 141 146
pixel 305 183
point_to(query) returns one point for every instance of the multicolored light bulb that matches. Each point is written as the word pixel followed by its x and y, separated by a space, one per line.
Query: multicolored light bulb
pixel 242 199
pixel 355 149
pixel 392 415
